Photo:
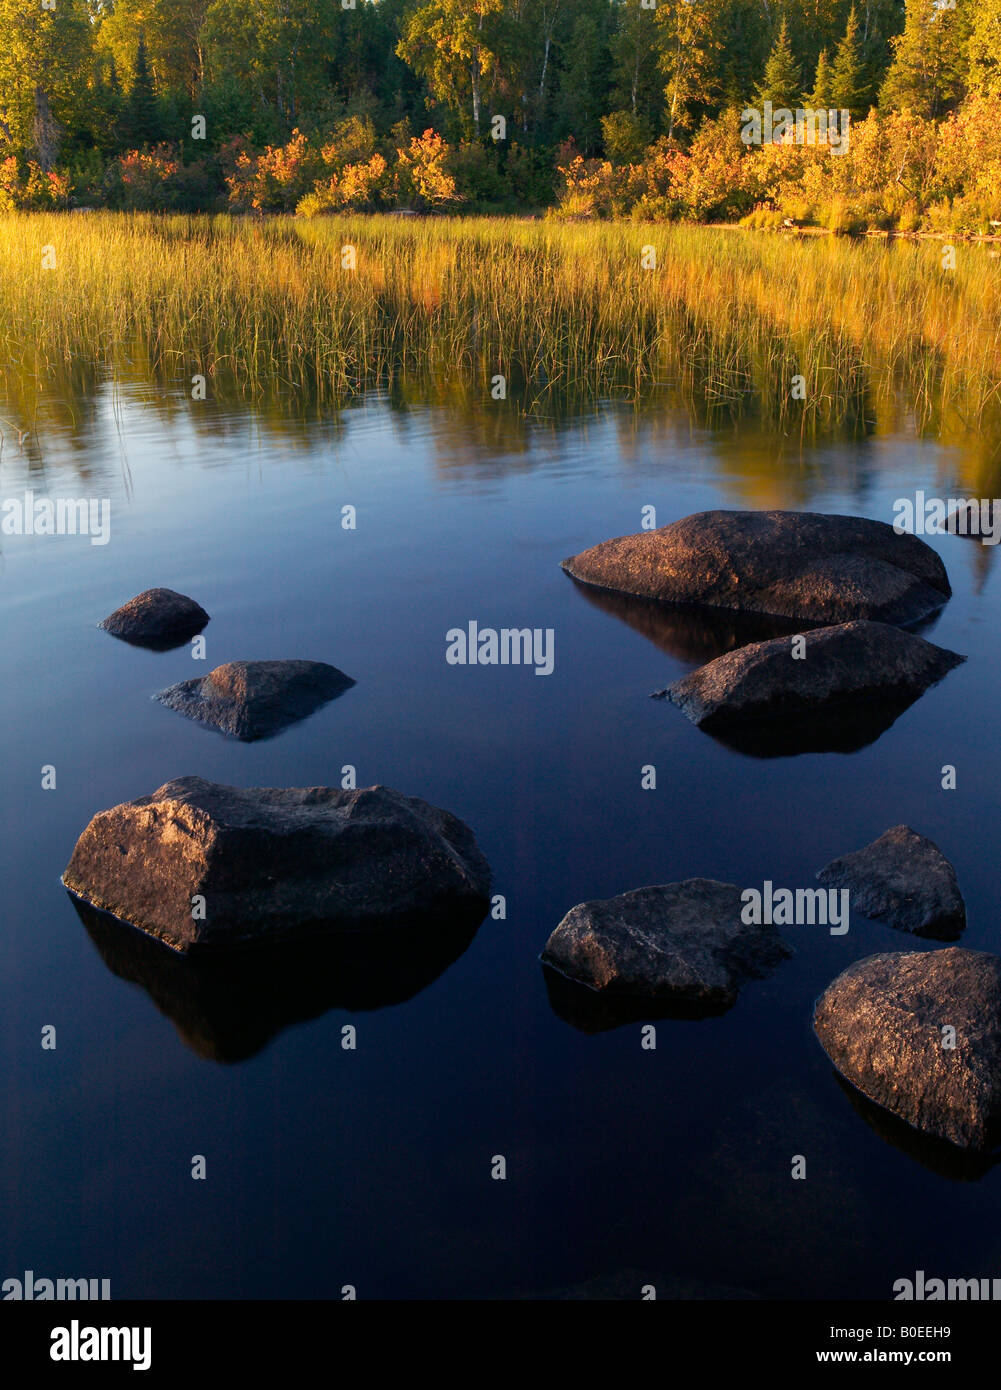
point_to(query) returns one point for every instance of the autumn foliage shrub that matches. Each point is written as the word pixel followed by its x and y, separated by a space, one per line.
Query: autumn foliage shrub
pixel 276 179
pixel 358 187
pixel 31 188
pixel 898 171
pixel 423 178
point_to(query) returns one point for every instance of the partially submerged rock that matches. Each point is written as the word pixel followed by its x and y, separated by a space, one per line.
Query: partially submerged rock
pixel 903 879
pixel 856 662
pixel 254 699
pixel 158 618
pixel 198 864
pixel 801 565
pixel 887 1023
pixel 684 942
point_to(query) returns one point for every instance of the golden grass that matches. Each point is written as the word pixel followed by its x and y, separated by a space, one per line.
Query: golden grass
pixel 726 320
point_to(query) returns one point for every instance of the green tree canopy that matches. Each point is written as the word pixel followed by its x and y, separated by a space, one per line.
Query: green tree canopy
pixel 820 96
pixel 454 46
pixel 46 68
pixel 928 73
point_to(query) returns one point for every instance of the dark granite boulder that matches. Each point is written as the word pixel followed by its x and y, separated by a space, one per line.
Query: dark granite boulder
pixel 857 662
pixel 198 864
pixel 254 699
pixel 800 565
pixel 158 618
pixel 887 1021
pixel 903 879
pixel 680 941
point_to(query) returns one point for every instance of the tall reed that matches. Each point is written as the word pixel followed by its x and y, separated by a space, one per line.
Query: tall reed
pixel 727 318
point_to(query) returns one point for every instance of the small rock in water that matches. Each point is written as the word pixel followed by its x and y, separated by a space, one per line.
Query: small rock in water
pixel 919 1033
pixel 802 565
pixel 682 941
pixel 159 618
pixel 859 662
pixel 198 864
pixel 903 879
pixel 253 699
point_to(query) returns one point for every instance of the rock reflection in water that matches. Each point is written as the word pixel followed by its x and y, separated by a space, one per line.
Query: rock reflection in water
pixel 699 635
pixel 228 1005
pixel 592 1011
pixel 841 728
pixel 937 1155
pixel 689 632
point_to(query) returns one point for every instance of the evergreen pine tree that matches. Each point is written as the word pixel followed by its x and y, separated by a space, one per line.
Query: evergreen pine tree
pixel 927 75
pixel 820 97
pixel 848 89
pixel 580 100
pixel 106 106
pixel 141 117
pixel 781 82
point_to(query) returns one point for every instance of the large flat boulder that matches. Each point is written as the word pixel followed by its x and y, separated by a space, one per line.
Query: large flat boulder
pixel 198 864
pixel 680 941
pixel 159 618
pixel 903 879
pixel 887 1021
pixel 800 565
pixel 254 699
pixel 857 662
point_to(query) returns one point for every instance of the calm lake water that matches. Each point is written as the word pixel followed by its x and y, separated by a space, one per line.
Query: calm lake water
pixel 327 1167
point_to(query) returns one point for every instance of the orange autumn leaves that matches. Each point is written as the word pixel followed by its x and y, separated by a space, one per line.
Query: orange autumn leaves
pixel 300 177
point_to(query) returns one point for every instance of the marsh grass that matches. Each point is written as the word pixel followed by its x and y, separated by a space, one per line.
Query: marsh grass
pixel 565 312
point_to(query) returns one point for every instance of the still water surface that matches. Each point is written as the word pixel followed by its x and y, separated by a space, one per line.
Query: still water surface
pixel 328 1167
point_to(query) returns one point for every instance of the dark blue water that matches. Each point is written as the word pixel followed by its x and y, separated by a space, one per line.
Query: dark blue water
pixel 372 1167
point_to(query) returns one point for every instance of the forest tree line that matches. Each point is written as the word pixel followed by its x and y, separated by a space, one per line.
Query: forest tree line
pixel 601 107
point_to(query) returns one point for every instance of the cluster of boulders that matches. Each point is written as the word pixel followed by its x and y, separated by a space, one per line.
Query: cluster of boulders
pixel 918 1033
pixel 851 582
pixel 197 865
pixel 695 943
pixel 247 699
